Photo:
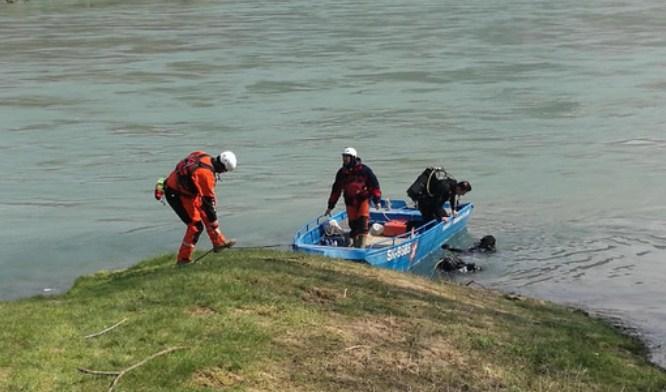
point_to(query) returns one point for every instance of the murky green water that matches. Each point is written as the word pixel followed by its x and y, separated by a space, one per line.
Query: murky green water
pixel 553 110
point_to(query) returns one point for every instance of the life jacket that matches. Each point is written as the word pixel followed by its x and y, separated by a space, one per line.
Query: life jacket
pixel 355 185
pixel 185 169
pixel 428 183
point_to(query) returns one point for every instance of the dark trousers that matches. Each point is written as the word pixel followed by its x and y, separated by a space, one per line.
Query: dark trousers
pixel 358 226
pixel 176 204
pixel 358 215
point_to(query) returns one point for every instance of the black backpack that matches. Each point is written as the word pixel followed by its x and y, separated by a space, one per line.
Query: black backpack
pixel 422 186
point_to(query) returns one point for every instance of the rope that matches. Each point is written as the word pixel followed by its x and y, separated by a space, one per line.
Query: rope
pixel 202 256
pixel 242 247
pixel 261 246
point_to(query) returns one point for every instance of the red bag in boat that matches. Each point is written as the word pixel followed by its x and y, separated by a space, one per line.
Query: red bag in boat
pixel 394 227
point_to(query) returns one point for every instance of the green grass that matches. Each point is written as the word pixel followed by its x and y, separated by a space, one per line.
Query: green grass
pixel 276 321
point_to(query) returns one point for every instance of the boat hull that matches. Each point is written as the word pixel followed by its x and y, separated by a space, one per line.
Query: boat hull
pixel 400 253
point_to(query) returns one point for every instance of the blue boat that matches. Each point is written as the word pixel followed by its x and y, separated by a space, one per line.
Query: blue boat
pixel 402 252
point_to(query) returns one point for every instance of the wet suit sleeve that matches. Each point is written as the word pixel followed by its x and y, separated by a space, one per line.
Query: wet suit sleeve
pixel 455 250
pixel 204 181
pixel 336 190
pixel 453 202
pixel 373 186
pixel 448 194
pixel 441 195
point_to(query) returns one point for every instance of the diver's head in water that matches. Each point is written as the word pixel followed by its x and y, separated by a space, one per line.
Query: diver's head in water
pixel 487 243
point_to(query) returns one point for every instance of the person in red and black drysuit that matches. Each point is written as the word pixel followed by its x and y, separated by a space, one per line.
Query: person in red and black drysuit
pixel 190 191
pixel 359 185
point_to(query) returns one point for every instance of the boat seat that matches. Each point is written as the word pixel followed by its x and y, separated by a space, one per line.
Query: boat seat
pixel 381 241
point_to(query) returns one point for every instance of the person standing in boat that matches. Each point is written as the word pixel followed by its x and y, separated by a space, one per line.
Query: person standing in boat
pixel 190 191
pixel 434 187
pixel 359 186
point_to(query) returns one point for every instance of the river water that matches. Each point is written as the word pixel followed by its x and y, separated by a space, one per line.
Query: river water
pixel 552 110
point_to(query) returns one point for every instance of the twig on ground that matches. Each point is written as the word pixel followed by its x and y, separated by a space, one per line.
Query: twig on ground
pixel 119 374
pixel 471 282
pixel 98 372
pixel 355 347
pixel 105 330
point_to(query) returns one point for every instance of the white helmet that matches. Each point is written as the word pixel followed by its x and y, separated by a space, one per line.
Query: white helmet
pixel 350 151
pixel 228 160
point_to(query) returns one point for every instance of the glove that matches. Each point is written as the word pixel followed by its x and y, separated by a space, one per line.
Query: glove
pixel 327 212
pixel 378 203
pixel 159 189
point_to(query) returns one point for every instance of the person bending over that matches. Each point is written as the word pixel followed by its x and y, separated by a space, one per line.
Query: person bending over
pixel 190 191
pixel 432 189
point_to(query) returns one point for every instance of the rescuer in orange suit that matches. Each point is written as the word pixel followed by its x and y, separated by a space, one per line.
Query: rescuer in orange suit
pixel 358 185
pixel 190 191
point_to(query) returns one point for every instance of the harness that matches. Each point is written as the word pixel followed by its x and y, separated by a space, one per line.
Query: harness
pixel 440 175
pixel 185 169
pixel 354 186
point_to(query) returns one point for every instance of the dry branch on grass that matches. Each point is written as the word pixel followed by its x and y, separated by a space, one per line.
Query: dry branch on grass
pixel 118 374
pixel 105 330
pixel 475 283
pixel 355 347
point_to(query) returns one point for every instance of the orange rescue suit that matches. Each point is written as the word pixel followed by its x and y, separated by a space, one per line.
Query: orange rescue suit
pixel 190 191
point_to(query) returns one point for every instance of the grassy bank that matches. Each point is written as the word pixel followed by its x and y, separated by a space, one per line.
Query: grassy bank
pixel 279 321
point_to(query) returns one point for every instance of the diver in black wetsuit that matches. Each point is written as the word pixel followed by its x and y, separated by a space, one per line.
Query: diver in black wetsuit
pixel 453 262
pixel 485 245
pixel 431 189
